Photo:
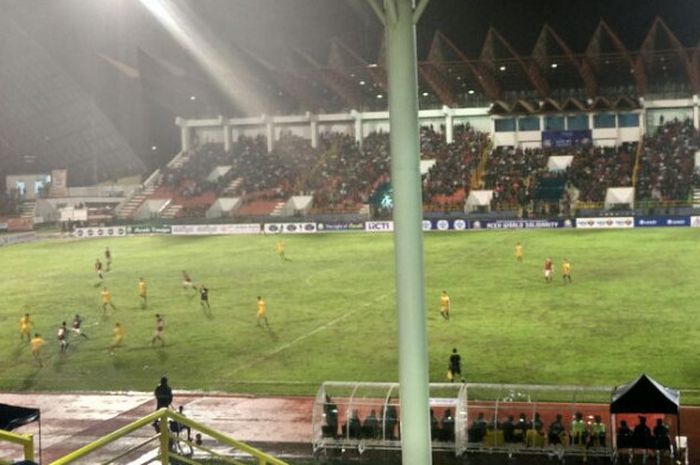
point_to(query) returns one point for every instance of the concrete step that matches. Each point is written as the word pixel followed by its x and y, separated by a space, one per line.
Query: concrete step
pixel 232 186
pixel 277 211
pixel 171 211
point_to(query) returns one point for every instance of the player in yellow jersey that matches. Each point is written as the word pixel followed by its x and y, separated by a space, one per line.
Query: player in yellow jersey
pixel 262 311
pixel 280 250
pixel 519 251
pixel 566 270
pixel 445 305
pixel 106 297
pixel 25 327
pixel 118 338
pixel 142 293
pixel 36 342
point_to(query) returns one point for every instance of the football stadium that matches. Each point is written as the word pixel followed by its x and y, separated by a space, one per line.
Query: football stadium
pixel 349 231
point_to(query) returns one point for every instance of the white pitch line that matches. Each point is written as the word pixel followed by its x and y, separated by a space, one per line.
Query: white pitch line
pixel 308 335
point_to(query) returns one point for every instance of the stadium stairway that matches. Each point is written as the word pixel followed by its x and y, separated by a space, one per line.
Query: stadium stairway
pixel 132 205
pixel 232 187
pixel 277 211
pixel 28 210
pixel 257 208
pixel 171 211
pixel 696 197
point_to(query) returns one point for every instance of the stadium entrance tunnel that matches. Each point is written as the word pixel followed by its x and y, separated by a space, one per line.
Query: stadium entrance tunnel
pixel 496 422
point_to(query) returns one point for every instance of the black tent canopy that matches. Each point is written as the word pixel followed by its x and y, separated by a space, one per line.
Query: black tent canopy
pixel 12 416
pixel 645 396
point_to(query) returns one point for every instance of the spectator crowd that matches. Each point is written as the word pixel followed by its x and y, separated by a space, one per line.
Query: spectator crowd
pixel 341 174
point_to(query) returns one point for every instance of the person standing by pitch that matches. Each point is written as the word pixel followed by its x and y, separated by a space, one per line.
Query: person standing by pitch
pixel 163 394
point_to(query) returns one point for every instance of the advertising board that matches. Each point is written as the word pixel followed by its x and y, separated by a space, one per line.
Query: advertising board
pixel 613 222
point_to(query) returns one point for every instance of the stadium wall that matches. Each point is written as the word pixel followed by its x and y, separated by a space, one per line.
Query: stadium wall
pixel 372 227
pixel 520 130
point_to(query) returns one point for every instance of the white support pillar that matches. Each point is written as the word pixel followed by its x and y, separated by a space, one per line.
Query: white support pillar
pixel 696 111
pixel 357 116
pixel 227 136
pixel 185 134
pixel 270 133
pixel 449 124
pixel 313 127
pixel 314 134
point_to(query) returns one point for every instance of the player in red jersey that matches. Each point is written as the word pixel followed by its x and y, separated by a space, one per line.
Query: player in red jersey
pixel 548 269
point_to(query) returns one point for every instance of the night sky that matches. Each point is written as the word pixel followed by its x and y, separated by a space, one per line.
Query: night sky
pixel 269 27
pixel 466 21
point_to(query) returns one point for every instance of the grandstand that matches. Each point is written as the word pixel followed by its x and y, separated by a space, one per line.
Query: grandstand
pixel 473 109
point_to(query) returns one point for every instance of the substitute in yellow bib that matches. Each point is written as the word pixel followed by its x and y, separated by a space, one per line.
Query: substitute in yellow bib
pixel 519 251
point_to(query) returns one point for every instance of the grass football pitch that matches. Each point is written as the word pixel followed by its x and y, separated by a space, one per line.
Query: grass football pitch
pixel 632 308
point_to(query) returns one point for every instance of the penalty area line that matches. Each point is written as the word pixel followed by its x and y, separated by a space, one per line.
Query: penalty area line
pixel 314 331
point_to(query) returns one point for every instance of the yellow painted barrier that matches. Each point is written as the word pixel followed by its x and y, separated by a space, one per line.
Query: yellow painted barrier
pixel 163 416
pixel 24 440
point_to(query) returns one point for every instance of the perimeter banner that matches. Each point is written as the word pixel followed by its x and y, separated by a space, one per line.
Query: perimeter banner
pixel 289 228
pixel 566 138
pixel 18 238
pixel 379 226
pixel 149 229
pixel 214 229
pixel 445 225
pixel 108 231
pixel 613 222
pixel 661 221
pixel 341 226
pixel 521 224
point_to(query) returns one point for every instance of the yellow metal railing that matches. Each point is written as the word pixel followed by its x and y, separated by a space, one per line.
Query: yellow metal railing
pixel 166 441
pixel 24 440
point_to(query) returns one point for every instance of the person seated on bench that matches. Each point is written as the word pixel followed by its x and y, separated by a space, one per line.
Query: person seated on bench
pixel 556 432
pixel 579 434
pixel 520 428
pixel 330 412
pixel 597 438
pixel 641 436
pixel 535 432
pixel 477 431
pixel 448 426
pixel 370 428
pixel 352 428
pixel 624 436
pixel 434 426
pixel 661 438
pixel 508 428
pixel 390 419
